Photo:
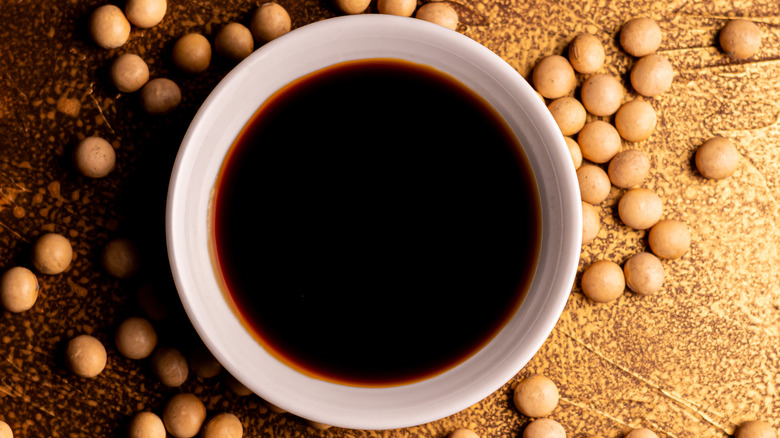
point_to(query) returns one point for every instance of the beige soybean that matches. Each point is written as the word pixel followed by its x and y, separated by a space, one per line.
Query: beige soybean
pixel 740 38
pixel 5 430
pixel 203 363
pixel 269 21
pixel 234 41
pixel 669 239
pixel 440 13
pixel 129 72
pixel 184 415
pixel 536 396
pixel 235 386
pixel 146 425
pixel 108 27
pixel 644 273
pixel 170 366
pixel 18 289
pixel 640 36
pixel 755 429
pixel 274 408
pixel 568 113
pixel 135 338
pixel 192 53
pixel 641 433
pixel 352 7
pixel 591 222
pixel 462 433
pixel 635 120
pixel 223 425
pixel 160 96
pixel 628 168
pixel 594 184
pixel 120 258
pixel 640 208
pixel 586 53
pixel 652 75
pixel 574 151
pixel 603 281
pixel 86 356
pixel 318 425
pixel 52 253
pixel 601 94
pixel 403 8
pixel 599 141
pixel 717 158
pixel 94 157
pixel 554 77
pixel 146 13
pixel 544 428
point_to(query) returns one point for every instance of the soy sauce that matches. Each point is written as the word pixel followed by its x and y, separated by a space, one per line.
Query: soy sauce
pixel 376 223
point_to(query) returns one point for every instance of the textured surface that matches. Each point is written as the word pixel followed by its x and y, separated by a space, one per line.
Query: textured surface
pixel 692 361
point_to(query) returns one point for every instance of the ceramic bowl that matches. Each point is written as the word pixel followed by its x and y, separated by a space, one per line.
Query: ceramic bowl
pixel 228 108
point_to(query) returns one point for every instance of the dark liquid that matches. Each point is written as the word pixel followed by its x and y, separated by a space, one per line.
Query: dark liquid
pixel 376 223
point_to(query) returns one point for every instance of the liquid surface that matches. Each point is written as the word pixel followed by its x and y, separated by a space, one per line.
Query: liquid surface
pixel 376 223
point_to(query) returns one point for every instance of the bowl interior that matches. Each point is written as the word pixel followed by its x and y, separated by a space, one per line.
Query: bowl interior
pixel 224 114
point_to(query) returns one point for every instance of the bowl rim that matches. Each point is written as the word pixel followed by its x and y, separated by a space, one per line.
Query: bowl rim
pixel 454 390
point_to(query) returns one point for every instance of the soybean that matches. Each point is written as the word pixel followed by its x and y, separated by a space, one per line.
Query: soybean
pixel 146 13
pixel 640 36
pixel 568 113
pixel 160 96
pixel 594 184
pixel 192 53
pixel 586 53
pixel 52 254
pixel 717 158
pixel 669 239
pixel 599 141
pixel 109 27
pixel 574 151
pixel 553 76
pixel 440 13
pixel 628 168
pixel 536 396
pixel 601 94
pixel 184 415
pixel 403 8
pixel 640 208
pixel 224 425
pixel 641 433
pixel 86 356
pixel 755 429
pixel 234 41
pixel 591 222
pixel 544 428
pixel 135 338
pixel 129 72
pixel 146 425
pixel 18 289
pixel 652 75
pixel 603 281
pixel 740 38
pixel 635 120
pixel 270 21
pixel 644 273
pixel 94 157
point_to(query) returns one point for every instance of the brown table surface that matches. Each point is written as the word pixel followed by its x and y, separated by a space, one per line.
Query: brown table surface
pixel 694 360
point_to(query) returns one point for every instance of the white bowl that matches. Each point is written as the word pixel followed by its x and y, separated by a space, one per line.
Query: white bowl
pixel 224 114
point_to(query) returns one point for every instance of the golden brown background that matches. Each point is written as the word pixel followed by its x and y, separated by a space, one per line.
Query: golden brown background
pixel 692 361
